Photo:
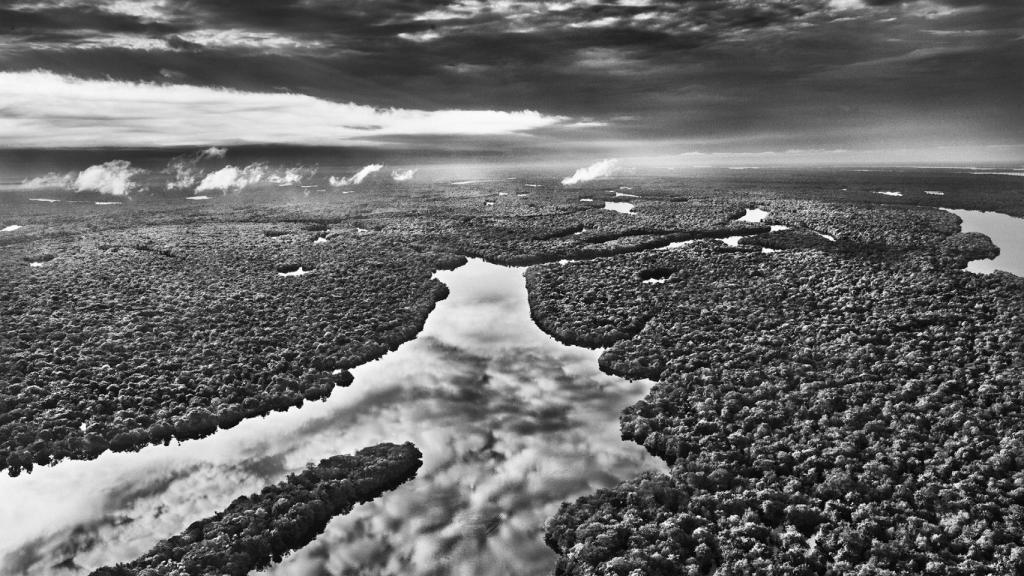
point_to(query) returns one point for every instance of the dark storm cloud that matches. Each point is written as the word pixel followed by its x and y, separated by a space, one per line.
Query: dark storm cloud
pixel 691 73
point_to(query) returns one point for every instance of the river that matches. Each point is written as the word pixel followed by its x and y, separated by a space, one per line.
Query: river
pixel 511 423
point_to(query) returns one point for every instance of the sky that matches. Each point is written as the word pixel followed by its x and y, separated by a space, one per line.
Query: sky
pixel 809 80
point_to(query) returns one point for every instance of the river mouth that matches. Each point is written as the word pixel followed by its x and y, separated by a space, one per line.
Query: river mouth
pixel 511 422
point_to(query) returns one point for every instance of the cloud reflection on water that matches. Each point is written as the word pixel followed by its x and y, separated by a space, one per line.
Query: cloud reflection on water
pixel 511 423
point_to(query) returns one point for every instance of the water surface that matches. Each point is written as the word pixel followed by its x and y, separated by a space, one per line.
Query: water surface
pixel 511 424
pixel 620 207
pixel 1005 231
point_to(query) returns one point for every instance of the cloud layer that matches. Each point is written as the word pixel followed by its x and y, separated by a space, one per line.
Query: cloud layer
pixel 602 78
pixel 46 109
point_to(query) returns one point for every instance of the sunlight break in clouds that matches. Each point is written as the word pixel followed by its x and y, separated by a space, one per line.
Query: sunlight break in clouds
pixel 48 109
pixel 231 178
pixel 356 178
pixel 113 178
pixel 603 169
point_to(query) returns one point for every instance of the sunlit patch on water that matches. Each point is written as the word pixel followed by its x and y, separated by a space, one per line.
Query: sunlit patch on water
pixel 620 207
pixel 1005 231
pixel 296 272
pixel 197 197
pixel 753 215
pixel 1017 173
pixel 888 192
pixel 510 421
pixel 675 245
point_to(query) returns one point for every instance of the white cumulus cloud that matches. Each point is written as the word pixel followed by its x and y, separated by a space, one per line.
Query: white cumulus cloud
pixel 51 180
pixel 291 176
pixel 402 175
pixel 232 178
pixel 47 109
pixel 113 178
pixel 356 178
pixel 213 152
pixel 185 167
pixel 603 169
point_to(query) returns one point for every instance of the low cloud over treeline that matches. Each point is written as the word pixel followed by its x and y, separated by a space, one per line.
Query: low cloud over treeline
pixel 604 169
pixel 202 171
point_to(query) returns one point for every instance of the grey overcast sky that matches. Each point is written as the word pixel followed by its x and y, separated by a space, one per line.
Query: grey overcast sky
pixel 938 80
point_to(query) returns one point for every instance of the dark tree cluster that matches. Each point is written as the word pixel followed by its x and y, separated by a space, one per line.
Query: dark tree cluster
pixel 108 346
pixel 256 530
pixel 549 232
pixel 822 413
pixel 880 231
pixel 863 229
pixel 792 239
pixel 961 248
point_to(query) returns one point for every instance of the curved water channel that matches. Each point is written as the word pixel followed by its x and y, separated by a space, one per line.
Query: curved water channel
pixel 510 421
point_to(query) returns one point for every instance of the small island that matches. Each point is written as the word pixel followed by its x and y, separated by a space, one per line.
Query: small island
pixel 255 530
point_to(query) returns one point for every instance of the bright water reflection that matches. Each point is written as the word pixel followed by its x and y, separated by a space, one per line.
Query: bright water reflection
pixel 753 215
pixel 1005 231
pixel 620 207
pixel 511 423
